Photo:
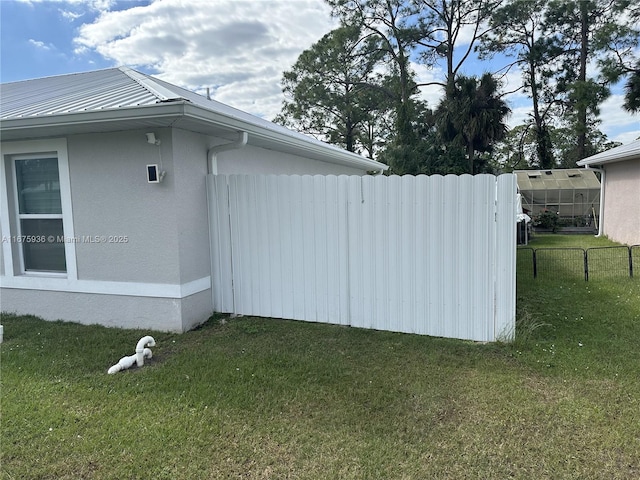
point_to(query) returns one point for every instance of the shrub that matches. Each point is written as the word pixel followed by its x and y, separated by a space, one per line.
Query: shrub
pixel 548 220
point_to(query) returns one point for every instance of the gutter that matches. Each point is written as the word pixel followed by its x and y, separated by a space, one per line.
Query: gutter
pixel 212 153
pixel 301 143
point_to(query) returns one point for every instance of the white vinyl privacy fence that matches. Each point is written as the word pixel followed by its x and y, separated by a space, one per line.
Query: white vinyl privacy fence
pixel 428 255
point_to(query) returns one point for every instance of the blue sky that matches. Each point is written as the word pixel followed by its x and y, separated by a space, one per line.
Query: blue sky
pixel 37 39
pixel 237 48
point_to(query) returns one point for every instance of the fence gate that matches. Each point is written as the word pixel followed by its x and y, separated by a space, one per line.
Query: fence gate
pixel 428 255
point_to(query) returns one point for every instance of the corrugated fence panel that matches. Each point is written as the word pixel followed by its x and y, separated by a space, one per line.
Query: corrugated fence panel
pixel 433 281
pixel 220 239
pixel 449 247
pixel 289 247
pixel 505 251
pixel 483 237
pixel 429 255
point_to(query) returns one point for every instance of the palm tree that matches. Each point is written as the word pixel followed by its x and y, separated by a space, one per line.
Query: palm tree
pixel 473 115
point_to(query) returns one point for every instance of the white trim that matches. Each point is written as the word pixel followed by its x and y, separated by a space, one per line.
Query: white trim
pixel 630 151
pixel 129 289
pixel 279 137
pixel 25 216
pixel 67 209
pixel 59 147
pixel 195 286
pixel 7 254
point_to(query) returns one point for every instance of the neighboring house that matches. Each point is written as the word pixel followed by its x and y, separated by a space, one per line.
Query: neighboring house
pixel 104 215
pixel 620 196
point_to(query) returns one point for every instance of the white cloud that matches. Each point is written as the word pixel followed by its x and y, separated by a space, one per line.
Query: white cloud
pixel 433 93
pixel 238 48
pixel 91 4
pixel 518 101
pixel 71 16
pixel 618 124
pixel 40 45
pixel 519 115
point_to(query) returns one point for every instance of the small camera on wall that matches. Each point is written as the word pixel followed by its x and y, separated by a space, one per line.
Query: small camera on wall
pixel 151 138
pixel 154 175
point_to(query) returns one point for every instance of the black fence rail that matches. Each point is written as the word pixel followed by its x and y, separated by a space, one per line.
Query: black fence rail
pixel 568 263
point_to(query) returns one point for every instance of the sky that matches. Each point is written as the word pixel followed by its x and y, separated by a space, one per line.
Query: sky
pixel 236 48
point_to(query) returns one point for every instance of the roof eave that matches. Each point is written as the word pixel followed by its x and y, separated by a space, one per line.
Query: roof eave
pixel 603 161
pixel 89 121
pixel 298 142
pixel 622 153
pixel 171 114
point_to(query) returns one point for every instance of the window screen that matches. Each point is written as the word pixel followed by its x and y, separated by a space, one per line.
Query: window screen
pixel 40 214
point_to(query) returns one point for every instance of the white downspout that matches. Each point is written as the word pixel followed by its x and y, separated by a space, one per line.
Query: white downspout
pixel 212 169
pixel 212 153
pixel 601 212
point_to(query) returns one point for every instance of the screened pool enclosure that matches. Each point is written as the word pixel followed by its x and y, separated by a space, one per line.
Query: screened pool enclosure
pixel 574 194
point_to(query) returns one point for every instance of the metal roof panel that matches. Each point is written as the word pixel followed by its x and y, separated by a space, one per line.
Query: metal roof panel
pixel 98 90
pixel 51 102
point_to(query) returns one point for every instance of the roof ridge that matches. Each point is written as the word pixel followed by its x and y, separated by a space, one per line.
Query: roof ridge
pixel 163 94
pixel 59 75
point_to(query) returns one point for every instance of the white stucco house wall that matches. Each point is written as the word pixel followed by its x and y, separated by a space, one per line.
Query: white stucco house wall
pixel 86 236
pixel 620 195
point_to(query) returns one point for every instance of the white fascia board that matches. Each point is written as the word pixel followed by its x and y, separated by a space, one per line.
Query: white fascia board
pixel 622 153
pixel 142 112
pixel 327 153
pixel 295 140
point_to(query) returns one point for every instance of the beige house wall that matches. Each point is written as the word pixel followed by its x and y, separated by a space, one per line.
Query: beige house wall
pixel 622 202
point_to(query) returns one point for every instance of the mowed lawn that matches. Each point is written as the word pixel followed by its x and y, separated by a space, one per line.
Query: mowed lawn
pixel 261 398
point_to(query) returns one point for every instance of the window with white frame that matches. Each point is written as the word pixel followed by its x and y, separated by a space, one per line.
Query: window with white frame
pixel 36 217
pixel 39 213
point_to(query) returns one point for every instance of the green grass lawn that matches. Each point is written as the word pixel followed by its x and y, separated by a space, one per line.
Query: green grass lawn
pixel 259 398
pixel 554 240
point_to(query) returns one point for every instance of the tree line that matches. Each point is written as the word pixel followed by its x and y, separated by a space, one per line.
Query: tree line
pixel 357 86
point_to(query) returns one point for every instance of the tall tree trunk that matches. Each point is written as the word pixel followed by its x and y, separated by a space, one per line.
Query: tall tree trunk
pixel 349 136
pixel 543 142
pixel 581 106
pixel 404 126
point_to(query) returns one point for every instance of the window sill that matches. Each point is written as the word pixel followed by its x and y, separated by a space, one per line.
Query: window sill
pixel 35 274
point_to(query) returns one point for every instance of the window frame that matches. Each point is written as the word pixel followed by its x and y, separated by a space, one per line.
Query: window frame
pixel 33 216
pixel 13 253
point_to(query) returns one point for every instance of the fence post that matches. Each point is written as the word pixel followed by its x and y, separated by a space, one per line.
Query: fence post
pixel 535 264
pixel 630 262
pixel 586 266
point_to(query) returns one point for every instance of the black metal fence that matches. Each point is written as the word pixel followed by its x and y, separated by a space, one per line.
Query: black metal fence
pixel 590 263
